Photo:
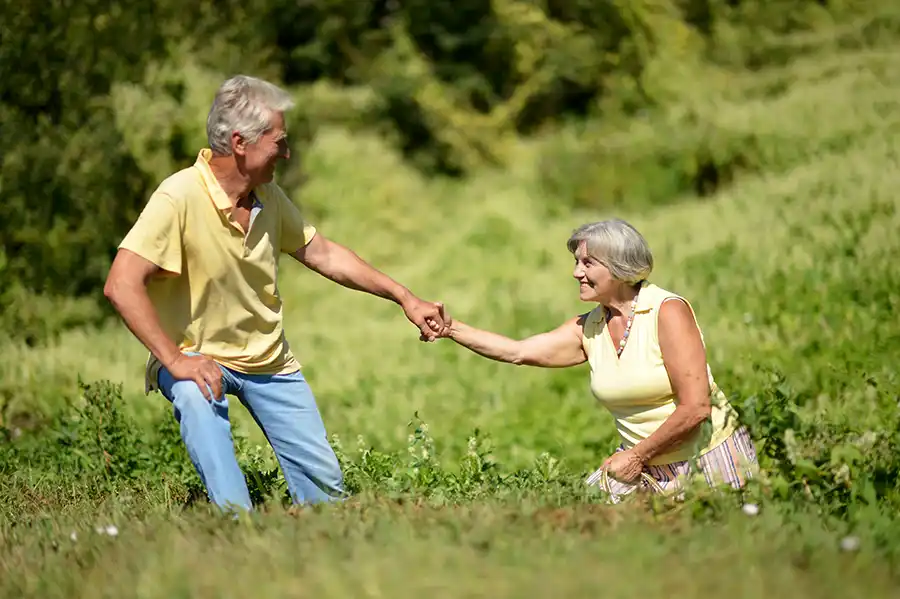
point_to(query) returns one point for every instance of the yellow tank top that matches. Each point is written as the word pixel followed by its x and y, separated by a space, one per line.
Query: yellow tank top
pixel 635 387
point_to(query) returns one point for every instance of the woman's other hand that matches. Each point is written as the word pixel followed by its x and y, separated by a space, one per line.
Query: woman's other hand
pixel 625 466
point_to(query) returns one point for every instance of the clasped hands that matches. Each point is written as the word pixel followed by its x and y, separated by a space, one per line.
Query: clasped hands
pixel 430 317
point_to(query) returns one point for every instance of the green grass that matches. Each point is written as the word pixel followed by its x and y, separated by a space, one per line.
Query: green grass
pixel 791 268
pixel 483 550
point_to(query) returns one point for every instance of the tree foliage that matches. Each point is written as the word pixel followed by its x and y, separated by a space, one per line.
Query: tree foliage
pixel 100 100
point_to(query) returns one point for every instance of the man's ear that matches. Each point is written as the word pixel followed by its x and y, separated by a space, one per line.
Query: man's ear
pixel 238 144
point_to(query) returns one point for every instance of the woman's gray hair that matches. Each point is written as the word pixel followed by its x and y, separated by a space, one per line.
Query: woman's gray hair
pixel 243 104
pixel 618 246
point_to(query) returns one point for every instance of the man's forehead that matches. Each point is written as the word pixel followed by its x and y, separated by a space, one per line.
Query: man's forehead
pixel 277 123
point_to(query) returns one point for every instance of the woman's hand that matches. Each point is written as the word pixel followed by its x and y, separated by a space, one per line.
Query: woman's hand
pixel 625 466
pixel 442 332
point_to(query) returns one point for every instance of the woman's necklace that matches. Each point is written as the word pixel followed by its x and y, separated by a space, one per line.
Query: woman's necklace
pixel 627 332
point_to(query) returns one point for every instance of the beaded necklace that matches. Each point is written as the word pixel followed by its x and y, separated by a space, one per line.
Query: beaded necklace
pixel 627 332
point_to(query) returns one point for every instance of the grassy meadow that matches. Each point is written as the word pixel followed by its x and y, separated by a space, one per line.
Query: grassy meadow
pixel 791 266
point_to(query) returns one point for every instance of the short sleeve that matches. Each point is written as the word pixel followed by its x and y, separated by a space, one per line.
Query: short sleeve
pixel 156 234
pixel 296 233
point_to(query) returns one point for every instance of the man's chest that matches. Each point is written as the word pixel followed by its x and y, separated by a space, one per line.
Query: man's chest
pixel 242 244
pixel 241 216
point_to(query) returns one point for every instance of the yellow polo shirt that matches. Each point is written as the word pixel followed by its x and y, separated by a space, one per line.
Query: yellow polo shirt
pixel 224 301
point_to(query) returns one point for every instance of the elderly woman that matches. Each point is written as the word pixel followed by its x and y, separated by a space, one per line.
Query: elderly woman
pixel 648 368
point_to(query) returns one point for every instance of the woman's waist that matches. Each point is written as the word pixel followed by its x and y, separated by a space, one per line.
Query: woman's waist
pixel 638 398
pixel 647 414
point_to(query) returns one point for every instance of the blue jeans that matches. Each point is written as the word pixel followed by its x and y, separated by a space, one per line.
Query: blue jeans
pixel 284 408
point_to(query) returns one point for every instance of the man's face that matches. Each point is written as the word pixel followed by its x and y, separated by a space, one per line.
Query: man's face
pixel 258 160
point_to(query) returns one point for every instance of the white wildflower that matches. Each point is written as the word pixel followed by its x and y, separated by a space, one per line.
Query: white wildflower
pixel 751 509
pixel 109 529
pixel 850 543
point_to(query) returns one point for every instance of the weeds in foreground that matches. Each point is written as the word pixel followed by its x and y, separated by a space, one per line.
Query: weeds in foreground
pixel 95 451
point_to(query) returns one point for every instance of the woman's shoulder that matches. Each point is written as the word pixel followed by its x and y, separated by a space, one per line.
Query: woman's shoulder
pixel 652 296
pixel 657 301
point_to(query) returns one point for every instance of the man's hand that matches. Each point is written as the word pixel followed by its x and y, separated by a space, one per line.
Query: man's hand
pixel 202 371
pixel 428 316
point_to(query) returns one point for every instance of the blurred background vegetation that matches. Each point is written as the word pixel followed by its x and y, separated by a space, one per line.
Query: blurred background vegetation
pixel 101 100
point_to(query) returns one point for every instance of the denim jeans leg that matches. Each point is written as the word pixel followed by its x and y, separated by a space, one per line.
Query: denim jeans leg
pixel 285 409
pixel 206 431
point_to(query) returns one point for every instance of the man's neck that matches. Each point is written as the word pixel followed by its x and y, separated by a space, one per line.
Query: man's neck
pixel 235 184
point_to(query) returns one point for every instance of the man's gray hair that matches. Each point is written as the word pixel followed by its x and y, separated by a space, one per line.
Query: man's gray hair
pixel 243 104
pixel 618 246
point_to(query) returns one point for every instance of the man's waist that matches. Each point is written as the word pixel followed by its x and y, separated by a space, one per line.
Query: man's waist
pixel 281 361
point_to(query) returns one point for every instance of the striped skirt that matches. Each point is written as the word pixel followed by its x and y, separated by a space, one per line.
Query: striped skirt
pixel 732 462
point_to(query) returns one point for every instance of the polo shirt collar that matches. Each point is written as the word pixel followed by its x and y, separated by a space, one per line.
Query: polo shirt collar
pixel 645 300
pixel 218 195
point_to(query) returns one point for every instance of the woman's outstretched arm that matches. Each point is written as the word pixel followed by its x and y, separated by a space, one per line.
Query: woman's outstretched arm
pixel 558 348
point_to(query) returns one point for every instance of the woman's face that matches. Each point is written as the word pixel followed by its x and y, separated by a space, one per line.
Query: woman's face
pixel 596 284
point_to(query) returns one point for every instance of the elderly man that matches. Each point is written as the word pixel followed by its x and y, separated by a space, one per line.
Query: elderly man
pixel 195 280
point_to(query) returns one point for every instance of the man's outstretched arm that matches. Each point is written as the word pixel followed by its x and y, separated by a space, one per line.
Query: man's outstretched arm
pixel 341 265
